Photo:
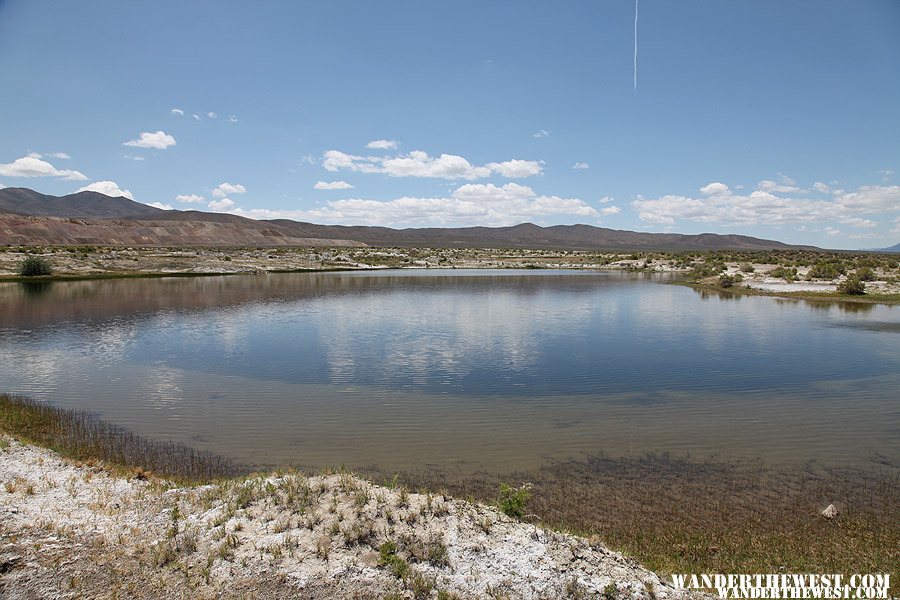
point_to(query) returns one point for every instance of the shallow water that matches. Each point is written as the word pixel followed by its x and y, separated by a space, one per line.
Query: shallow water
pixel 471 369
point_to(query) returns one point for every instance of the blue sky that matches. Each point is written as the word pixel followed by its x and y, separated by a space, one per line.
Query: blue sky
pixel 778 119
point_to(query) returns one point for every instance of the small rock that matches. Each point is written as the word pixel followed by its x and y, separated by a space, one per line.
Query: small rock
pixel 830 512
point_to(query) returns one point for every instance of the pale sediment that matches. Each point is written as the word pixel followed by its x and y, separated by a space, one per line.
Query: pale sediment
pixel 69 530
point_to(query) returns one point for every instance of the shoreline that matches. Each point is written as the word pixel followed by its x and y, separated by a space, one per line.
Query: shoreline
pixel 833 297
pixel 78 526
pixel 757 273
pixel 577 524
pixel 62 277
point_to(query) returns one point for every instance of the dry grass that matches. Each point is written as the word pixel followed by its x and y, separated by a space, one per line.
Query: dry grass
pixel 85 437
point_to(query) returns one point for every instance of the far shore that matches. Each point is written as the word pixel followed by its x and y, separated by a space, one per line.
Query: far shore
pixel 784 274
pixel 792 294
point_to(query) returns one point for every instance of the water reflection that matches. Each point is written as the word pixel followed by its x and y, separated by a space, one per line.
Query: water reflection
pixel 822 305
pixel 493 368
pixel 34 289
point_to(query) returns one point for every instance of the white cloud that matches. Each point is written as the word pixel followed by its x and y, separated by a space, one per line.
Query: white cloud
pixel 886 174
pixel 177 111
pixel 335 160
pixel 232 119
pixel 332 185
pixel 821 187
pixel 212 115
pixel 718 204
pixel 382 145
pixel 483 204
pixel 606 199
pixel 714 189
pixel 859 222
pixel 196 117
pixel 832 231
pixel 516 169
pixel 226 188
pixel 159 140
pixel 446 166
pixel 610 210
pixel 61 155
pixel 581 165
pixel 133 157
pixel 34 165
pixel 541 133
pixel 222 205
pixel 767 185
pixel 109 188
pixel 161 205
pixel 488 192
pixel 190 198
pixel 418 164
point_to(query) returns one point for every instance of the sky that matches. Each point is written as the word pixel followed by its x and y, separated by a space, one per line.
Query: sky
pixel 772 118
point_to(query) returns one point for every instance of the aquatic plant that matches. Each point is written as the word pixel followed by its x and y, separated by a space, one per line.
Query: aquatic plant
pixel 86 437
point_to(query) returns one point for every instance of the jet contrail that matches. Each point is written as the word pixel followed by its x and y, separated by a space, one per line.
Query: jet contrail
pixel 635 44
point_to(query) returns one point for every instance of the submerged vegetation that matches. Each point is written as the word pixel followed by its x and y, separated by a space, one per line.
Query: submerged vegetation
pixel 85 437
pixel 678 515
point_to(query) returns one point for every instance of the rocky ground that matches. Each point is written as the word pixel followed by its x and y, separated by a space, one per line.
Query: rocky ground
pixel 74 530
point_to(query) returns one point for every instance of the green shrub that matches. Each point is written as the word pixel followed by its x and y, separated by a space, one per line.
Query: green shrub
pixel 826 270
pixel 787 273
pixel 34 266
pixel 702 270
pixel 853 286
pixel 865 274
pixel 512 500
pixel 726 281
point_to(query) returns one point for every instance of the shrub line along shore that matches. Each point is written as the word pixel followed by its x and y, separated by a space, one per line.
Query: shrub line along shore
pixel 773 273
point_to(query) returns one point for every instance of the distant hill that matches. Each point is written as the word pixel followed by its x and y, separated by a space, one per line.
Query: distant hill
pixel 82 204
pixel 894 248
pixel 18 229
pixel 119 221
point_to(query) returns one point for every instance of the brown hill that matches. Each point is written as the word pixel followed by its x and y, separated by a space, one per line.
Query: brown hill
pixel 38 230
pixel 93 218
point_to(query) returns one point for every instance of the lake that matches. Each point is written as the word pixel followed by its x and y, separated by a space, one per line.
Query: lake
pixel 467 369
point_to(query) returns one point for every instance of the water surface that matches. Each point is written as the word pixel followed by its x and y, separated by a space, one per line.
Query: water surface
pixel 472 369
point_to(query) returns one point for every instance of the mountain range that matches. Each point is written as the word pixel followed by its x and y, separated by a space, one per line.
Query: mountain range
pixel 29 217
